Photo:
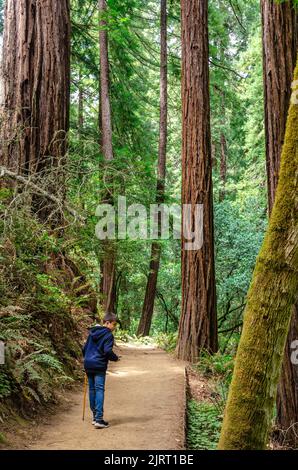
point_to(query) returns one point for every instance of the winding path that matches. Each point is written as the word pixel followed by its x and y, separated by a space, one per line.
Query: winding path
pixel 145 405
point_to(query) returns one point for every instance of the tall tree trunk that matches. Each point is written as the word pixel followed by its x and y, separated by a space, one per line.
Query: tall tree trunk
pixel 148 306
pixel 279 59
pixel 213 154
pixel 279 56
pixel 198 322
pixel 81 105
pixel 36 84
pixel 108 265
pixel 268 312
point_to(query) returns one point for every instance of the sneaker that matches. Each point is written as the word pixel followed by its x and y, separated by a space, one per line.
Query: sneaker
pixel 101 424
pixel 93 422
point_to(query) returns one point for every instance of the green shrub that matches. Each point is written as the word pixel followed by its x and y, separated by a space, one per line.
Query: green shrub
pixel 203 426
pixel 220 365
pixel 167 341
pixel 36 322
pixel 5 384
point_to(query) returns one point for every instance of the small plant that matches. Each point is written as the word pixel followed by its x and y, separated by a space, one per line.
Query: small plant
pixel 218 365
pixel 5 385
pixel 167 341
pixel 204 424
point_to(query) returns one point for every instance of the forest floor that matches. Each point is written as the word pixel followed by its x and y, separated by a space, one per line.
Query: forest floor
pixel 145 404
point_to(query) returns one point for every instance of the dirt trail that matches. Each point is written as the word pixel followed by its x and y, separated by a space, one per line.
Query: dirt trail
pixel 145 401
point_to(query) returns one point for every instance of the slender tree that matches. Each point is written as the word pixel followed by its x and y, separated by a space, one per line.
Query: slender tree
pixel 268 312
pixel 223 165
pixel 148 305
pixel 108 265
pixel 279 55
pixel 80 104
pixel 36 83
pixel 198 322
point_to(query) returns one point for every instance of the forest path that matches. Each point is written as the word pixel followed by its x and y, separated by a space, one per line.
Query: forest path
pixel 144 404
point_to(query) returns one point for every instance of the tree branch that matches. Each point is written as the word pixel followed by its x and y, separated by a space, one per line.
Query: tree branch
pixel 11 174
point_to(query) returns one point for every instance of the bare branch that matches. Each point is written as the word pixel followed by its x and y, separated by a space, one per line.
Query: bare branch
pixel 11 174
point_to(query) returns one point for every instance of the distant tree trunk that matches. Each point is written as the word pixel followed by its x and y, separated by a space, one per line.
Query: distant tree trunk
pixel 213 154
pixel 223 165
pixel 81 105
pixel 198 322
pixel 148 306
pixel 36 84
pixel 267 317
pixel 108 265
pixel 279 53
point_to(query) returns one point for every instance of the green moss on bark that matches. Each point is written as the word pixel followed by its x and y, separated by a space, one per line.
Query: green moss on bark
pixel 272 294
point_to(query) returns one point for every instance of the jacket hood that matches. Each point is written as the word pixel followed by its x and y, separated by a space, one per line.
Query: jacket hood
pixel 98 332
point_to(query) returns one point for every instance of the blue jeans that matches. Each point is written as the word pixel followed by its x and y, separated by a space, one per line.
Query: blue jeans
pixel 97 394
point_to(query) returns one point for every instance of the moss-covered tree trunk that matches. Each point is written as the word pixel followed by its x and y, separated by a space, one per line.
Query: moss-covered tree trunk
pixel 273 292
pixel 280 34
pixel 198 321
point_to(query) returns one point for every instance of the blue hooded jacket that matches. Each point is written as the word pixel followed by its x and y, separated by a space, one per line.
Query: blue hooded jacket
pixel 98 350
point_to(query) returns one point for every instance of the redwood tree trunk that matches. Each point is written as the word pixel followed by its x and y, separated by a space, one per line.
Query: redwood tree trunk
pixel 148 306
pixel 287 392
pixel 36 84
pixel 279 58
pixel 198 322
pixel 279 53
pixel 108 265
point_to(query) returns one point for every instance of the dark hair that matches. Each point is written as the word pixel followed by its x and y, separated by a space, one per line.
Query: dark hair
pixel 110 317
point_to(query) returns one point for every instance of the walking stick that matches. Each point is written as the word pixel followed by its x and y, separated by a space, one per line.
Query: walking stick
pixel 85 394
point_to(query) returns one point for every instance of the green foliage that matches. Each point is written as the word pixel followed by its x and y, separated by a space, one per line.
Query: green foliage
pixel 36 305
pixel 3 439
pixel 126 337
pixel 204 423
pixel 5 384
pixel 216 365
pixel 167 341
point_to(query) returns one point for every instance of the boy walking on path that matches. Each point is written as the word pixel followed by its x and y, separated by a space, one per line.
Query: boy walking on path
pixel 98 351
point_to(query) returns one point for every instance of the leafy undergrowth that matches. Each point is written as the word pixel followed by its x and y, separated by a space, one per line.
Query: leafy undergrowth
pixel 208 382
pixel 45 303
pixel 166 341
pixel 204 423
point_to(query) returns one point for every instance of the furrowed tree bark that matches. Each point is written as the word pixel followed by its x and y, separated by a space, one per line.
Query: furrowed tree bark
pixel 287 392
pixel 279 55
pixel 36 86
pixel 198 322
pixel 108 265
pixel 271 297
pixel 279 23
pixel 148 306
